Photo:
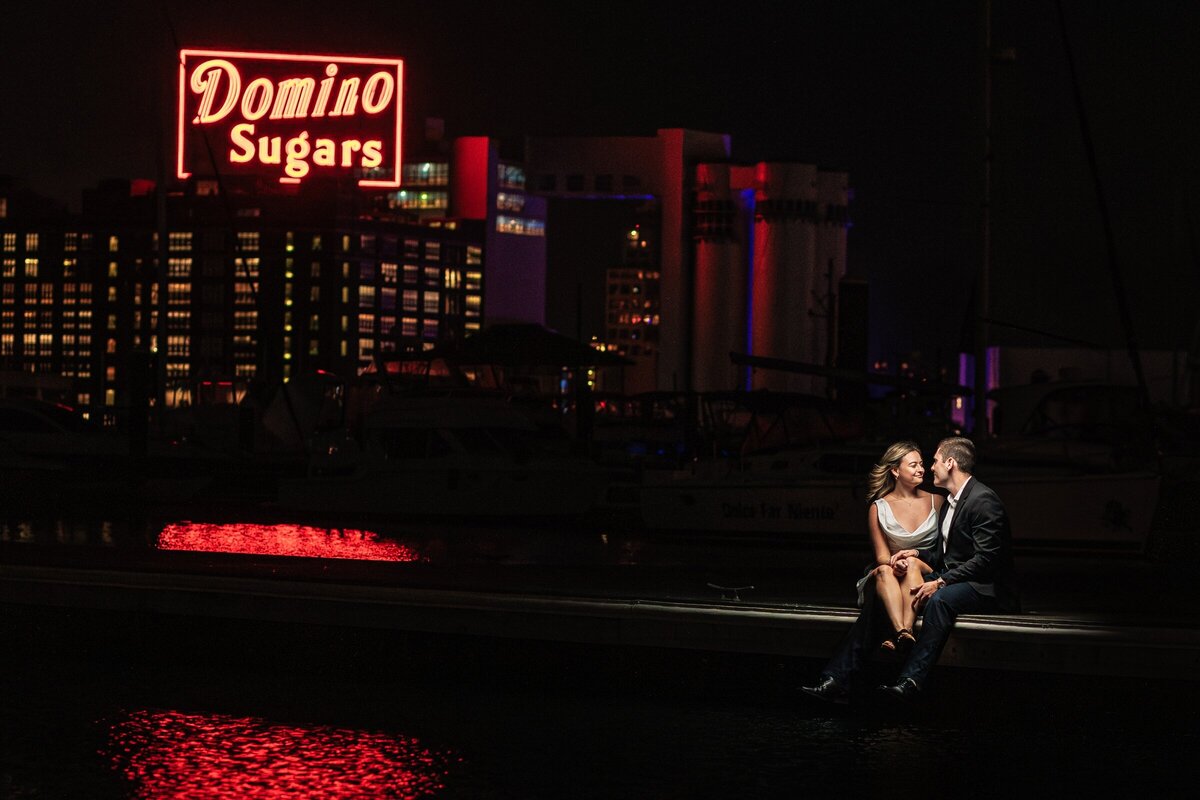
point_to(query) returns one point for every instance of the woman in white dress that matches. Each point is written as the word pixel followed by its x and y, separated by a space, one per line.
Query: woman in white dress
pixel 903 526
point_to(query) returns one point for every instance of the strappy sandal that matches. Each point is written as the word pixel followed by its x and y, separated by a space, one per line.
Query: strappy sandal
pixel 887 646
pixel 905 640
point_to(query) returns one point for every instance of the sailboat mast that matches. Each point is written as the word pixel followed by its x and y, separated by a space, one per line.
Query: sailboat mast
pixel 982 429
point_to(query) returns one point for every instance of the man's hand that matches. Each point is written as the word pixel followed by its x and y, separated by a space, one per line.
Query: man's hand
pixel 900 567
pixel 922 593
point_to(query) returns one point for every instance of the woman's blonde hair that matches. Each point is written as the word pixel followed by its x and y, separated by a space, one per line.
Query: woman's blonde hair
pixel 881 481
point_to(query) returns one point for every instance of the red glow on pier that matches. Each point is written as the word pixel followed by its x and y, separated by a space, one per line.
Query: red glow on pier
pixel 282 539
pixel 173 754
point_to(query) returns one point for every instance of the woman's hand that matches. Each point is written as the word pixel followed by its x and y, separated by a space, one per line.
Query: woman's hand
pixel 903 554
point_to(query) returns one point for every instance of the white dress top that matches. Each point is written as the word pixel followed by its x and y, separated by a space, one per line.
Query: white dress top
pixel 900 538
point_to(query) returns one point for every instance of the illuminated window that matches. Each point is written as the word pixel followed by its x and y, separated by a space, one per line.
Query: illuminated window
pixel 112 322
pixel 179 346
pixel 431 302
pixel 112 294
pixel 408 326
pixel 366 349
pixel 112 269
pixel 289 241
pixel 244 293
pixel 345 294
pixel 474 255
pixel 520 226
pixel 114 244
pixel 111 346
pixel 316 242
pixel 179 294
pixel 314 294
pixel 245 320
pixel 179 267
pixel 31 267
pixel 506 201
pixel 179 240
pixel 31 242
pixel 247 241
pixel 453 278
pixel 474 305
pixel 10 268
pixel 410 300
pixel 6 344
pixel 474 281
pixel 429 329
pixel 246 267
pixel 69 265
pixel 345 242
pixel 425 173
pixel 387 298
pixel 10 242
pixel 314 323
pixel 510 176
pixel 70 242
pixel 412 248
pixel 411 273
pixel 386 323
pixel 387 271
pixel 433 251
pixel 366 296
pixel 366 323
pixel 110 396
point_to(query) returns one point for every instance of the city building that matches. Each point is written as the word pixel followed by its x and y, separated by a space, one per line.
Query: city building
pixel 733 258
pixel 258 283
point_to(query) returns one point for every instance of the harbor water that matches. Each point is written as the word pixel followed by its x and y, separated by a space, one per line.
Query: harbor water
pixel 98 706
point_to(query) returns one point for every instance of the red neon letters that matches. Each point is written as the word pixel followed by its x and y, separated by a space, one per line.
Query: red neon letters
pixel 290 115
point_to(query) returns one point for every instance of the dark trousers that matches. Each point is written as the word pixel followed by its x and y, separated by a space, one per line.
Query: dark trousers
pixel 872 627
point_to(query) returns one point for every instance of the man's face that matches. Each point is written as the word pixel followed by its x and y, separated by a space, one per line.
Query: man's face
pixel 941 472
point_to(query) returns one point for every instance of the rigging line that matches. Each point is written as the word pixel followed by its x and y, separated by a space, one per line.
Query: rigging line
pixel 1026 329
pixel 1106 222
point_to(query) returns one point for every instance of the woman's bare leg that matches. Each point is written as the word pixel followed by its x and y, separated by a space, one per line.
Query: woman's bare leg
pixel 913 578
pixel 891 595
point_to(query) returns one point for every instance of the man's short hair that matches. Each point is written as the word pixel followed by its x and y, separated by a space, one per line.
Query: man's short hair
pixel 962 450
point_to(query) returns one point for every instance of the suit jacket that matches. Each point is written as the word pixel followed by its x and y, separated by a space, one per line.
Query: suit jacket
pixel 979 548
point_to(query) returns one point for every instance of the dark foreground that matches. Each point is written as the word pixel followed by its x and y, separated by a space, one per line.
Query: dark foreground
pixel 172 707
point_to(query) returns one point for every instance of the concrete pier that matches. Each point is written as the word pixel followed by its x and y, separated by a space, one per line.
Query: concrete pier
pixel 523 607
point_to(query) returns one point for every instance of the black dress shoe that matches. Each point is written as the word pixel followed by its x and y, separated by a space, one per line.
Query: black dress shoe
pixel 828 690
pixel 905 690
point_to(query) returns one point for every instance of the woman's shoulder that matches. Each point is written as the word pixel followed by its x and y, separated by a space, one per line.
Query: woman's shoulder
pixel 938 499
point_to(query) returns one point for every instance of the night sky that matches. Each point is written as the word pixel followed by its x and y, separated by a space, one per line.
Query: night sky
pixel 889 92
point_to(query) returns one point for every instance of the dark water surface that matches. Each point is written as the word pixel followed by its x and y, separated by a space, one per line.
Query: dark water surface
pixel 99 705
pixel 94 707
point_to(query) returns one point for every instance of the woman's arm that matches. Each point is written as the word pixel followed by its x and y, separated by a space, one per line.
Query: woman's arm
pixel 883 553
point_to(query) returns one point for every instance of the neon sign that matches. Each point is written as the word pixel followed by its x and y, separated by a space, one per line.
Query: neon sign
pixel 290 116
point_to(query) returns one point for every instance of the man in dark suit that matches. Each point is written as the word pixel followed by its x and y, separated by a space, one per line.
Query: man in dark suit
pixel 973 574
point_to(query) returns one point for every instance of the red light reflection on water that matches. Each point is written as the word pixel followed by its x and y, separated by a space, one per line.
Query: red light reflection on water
pixel 282 540
pixel 177 755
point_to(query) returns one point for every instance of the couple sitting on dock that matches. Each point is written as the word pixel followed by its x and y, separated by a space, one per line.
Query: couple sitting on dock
pixel 934 556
